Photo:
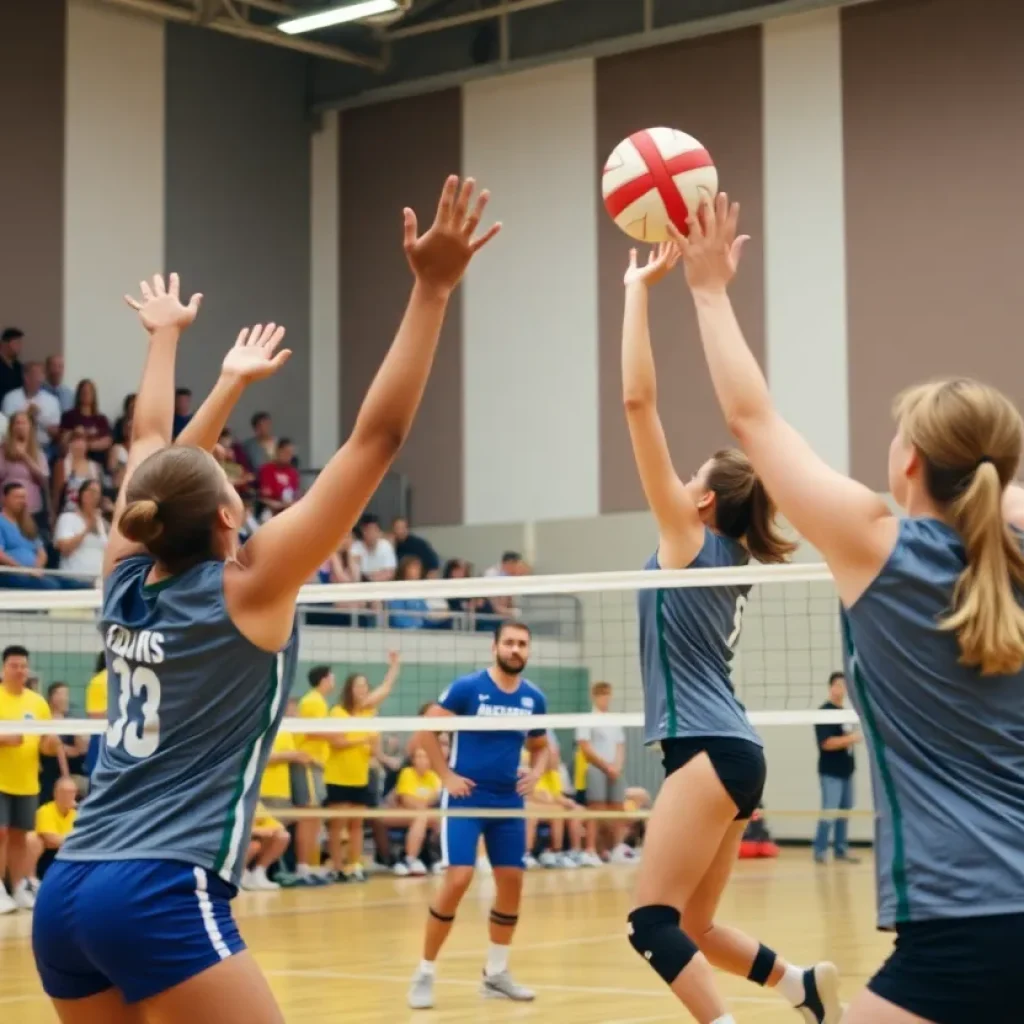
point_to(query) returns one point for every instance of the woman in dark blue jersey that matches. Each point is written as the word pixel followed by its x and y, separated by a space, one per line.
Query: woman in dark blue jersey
pixel 133 923
pixel 713 757
pixel 933 617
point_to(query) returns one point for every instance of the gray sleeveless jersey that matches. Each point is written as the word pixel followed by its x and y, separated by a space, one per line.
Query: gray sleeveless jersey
pixel 193 711
pixel 687 637
pixel 946 743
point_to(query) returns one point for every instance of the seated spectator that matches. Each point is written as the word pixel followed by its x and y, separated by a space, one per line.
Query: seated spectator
pixel 12 375
pixel 548 793
pixel 81 534
pixel 86 417
pixel 232 459
pixel 279 480
pixel 376 556
pixel 53 371
pixel 96 707
pixel 72 471
pixel 20 547
pixel 54 821
pixel 39 404
pixel 464 607
pixel 122 428
pixel 511 564
pixel 270 840
pixel 182 410
pixel 408 612
pixel 58 696
pixel 23 463
pixel 439 615
pixel 262 446
pixel 418 788
pixel 407 543
pixel 117 462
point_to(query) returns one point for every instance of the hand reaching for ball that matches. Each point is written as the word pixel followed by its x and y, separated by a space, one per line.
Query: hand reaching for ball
pixel 659 262
pixel 711 251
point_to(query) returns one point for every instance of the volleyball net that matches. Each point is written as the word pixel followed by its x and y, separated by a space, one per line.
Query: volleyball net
pixel 584 630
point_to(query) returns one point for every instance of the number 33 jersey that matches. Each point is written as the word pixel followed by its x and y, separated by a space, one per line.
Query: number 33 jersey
pixel 193 709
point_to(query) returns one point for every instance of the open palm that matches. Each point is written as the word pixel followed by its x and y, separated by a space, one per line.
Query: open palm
pixel 161 308
pixel 659 262
pixel 712 249
pixel 253 355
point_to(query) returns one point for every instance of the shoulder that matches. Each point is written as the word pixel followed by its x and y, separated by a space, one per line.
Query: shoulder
pixel 36 705
pixel 534 693
pixel 404 775
pixel 358 548
pixel 339 712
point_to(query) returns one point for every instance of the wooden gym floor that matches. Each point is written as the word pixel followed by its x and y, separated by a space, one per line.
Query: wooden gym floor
pixel 344 955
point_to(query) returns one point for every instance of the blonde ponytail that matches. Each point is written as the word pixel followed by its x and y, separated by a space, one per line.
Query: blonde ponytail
pixel 987 616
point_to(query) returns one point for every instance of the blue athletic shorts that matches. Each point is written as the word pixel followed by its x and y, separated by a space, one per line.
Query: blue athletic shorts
pixel 140 926
pixel 504 838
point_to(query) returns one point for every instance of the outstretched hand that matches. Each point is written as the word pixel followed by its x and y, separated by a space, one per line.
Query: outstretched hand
pixel 659 262
pixel 160 307
pixel 711 252
pixel 252 357
pixel 439 257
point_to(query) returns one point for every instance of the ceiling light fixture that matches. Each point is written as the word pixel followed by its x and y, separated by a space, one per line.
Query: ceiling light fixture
pixel 338 16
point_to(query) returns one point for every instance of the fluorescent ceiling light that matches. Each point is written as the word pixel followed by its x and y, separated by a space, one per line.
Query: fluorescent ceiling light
pixel 338 16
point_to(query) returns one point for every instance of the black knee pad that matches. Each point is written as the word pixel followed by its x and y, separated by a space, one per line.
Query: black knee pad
pixel 655 934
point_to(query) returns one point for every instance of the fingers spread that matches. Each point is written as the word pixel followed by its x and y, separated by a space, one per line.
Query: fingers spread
pixel 478 243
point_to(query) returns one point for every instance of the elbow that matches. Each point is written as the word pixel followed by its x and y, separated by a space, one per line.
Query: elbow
pixel 637 400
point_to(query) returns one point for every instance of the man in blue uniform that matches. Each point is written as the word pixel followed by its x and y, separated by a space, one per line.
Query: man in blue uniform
pixel 484 773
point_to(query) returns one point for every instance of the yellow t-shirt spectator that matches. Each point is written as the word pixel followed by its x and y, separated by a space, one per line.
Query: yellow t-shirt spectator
pixel 19 766
pixel 96 694
pixel 423 787
pixel 314 705
pixel 580 771
pixel 264 821
pixel 276 784
pixel 550 782
pixel 50 820
pixel 351 766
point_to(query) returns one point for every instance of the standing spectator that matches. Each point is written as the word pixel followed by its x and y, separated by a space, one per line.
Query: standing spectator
pixel 19 777
pixel 279 480
pixel 54 382
pixel 58 697
pixel 41 406
pixel 376 556
pixel 54 821
pixel 407 543
pixel 19 543
pixel 85 415
pixel 262 446
pixel 836 765
pixel 22 462
pixel 408 612
pixel 96 707
pixel 12 375
pixel 182 410
pixel 72 472
pixel 81 534
pixel 307 780
pixel 122 428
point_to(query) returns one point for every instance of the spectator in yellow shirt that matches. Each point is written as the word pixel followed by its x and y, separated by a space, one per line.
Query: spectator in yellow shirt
pixel 307 780
pixel 348 768
pixel 417 789
pixel 550 793
pixel 267 845
pixel 54 822
pixel 19 777
pixel 96 707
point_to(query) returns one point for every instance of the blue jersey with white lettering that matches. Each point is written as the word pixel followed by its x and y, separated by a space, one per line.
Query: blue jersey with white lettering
pixel 491 759
pixel 194 707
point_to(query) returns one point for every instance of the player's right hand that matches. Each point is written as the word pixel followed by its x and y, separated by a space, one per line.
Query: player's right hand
pixel 457 785
pixel 161 308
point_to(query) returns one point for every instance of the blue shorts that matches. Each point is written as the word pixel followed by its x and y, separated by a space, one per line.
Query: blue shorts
pixel 140 926
pixel 504 838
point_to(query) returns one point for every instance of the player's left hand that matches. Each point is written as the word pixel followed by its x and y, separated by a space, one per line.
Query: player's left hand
pixel 711 252
pixel 527 782
pixel 252 357
pixel 160 307
pixel 659 262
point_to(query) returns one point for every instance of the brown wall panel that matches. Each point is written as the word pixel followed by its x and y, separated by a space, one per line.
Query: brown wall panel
pixel 395 155
pixel 932 94
pixel 711 88
pixel 32 35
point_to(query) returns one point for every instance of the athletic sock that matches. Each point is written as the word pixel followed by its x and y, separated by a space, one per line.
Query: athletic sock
pixel 791 985
pixel 303 870
pixel 428 967
pixel 497 960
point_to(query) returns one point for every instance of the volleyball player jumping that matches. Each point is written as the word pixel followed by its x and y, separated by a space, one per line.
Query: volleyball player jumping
pixel 934 629
pixel 713 758
pixel 134 922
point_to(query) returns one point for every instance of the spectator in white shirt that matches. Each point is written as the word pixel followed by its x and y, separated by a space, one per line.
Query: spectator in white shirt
pixel 81 533
pixel 511 564
pixel 374 551
pixel 31 395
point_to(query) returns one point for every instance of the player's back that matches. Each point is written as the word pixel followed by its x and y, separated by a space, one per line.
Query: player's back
pixel 947 743
pixel 687 636
pixel 193 710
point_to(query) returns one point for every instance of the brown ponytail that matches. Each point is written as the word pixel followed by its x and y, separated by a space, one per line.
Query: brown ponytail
pixel 140 521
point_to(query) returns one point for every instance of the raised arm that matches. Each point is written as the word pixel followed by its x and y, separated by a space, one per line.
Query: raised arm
pixel 281 556
pixel 847 522
pixel 377 696
pixel 679 525
pixel 164 317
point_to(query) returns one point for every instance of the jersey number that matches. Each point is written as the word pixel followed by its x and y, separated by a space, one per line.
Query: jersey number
pixel 737 622
pixel 138 737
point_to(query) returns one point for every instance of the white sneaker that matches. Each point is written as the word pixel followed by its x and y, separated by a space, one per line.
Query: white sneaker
pixel 437 868
pixel 563 860
pixel 548 859
pixel 589 860
pixel 258 881
pixel 400 870
pixel 622 854
pixel 530 862
pixel 24 898
pixel 421 991
pixel 416 867
pixel 7 905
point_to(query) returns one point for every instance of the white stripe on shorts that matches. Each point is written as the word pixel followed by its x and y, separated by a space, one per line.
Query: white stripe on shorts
pixel 206 912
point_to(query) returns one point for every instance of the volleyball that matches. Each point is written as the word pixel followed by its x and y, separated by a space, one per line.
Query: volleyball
pixel 653 177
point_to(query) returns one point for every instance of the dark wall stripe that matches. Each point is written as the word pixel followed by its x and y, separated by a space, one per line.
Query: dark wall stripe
pixel 237 203
pixel 396 155
pixel 670 86
pixel 32 49
pixel 932 98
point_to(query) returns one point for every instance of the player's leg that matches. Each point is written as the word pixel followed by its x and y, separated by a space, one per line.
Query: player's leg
pixel 20 862
pixel 842 846
pixel 106 1008
pixel 354 867
pixel 615 797
pixel 829 802
pixel 34 849
pixel 307 830
pixel 867 1008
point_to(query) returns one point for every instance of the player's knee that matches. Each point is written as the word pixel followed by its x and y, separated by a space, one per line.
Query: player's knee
pixel 654 932
pixel 457 880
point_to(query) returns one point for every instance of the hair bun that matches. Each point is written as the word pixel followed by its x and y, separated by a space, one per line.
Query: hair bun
pixel 140 521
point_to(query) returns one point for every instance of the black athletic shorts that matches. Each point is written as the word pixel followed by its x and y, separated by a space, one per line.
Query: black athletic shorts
pixel 739 765
pixel 359 795
pixel 956 971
